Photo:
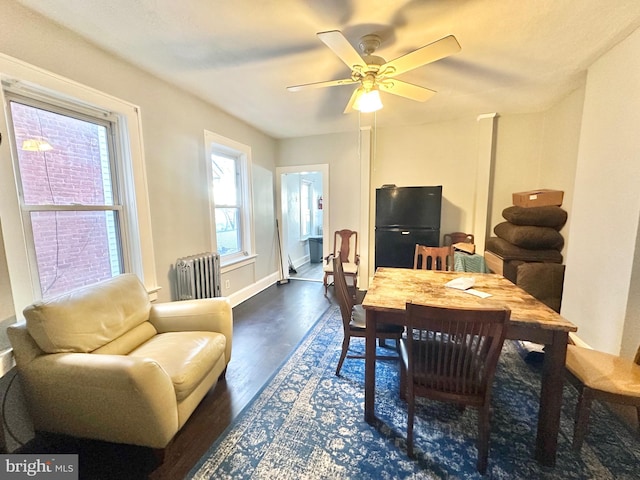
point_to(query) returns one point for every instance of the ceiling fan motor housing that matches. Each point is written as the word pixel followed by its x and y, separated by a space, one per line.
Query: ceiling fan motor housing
pixel 369 43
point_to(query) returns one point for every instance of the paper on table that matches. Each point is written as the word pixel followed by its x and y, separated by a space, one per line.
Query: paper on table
pixel 461 283
pixel 478 293
pixel 465 284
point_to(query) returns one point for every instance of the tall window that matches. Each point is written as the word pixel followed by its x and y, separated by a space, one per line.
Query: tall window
pixel 68 195
pixel 228 203
pixel 229 169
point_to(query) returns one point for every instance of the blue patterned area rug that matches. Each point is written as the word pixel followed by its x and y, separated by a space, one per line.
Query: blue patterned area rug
pixel 307 423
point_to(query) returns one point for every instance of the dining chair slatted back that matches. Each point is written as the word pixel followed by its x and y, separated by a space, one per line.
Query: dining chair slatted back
pixel 354 318
pixel 601 376
pixel 433 258
pixel 450 355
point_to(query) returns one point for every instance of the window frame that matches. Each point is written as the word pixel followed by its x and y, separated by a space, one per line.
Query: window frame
pixel 21 78
pixel 110 122
pixel 215 143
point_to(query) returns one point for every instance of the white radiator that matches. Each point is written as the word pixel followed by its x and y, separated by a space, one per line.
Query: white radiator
pixel 198 276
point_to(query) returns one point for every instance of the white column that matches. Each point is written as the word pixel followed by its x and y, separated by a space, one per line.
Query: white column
pixel 484 179
pixel 365 205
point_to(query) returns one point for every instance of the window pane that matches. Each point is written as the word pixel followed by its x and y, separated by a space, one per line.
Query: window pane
pixel 228 230
pixel 225 181
pixel 305 208
pixel 63 160
pixel 74 249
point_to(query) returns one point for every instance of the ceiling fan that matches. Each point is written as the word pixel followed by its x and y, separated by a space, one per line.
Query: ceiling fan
pixel 375 74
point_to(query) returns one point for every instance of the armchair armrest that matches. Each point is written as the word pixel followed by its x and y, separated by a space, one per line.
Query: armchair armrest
pixel 81 393
pixel 329 258
pixel 207 314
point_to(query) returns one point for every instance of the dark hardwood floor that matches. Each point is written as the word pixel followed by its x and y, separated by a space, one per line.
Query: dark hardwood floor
pixel 266 329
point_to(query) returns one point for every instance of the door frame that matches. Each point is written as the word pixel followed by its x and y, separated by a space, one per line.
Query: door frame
pixel 323 168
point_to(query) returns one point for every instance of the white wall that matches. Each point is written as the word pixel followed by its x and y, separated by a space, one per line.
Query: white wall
pixel 536 150
pixel 340 152
pixel 173 123
pixel 601 259
pixel 432 154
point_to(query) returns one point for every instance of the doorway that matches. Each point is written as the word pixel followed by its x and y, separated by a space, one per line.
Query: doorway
pixel 302 206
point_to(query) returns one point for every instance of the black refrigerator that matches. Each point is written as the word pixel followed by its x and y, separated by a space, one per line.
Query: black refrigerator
pixel 405 216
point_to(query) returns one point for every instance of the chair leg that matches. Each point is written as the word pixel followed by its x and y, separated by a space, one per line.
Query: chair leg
pixel 326 283
pixel 343 355
pixel 484 428
pixel 583 410
pixel 411 413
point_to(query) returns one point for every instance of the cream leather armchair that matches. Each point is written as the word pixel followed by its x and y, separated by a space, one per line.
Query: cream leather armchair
pixel 103 362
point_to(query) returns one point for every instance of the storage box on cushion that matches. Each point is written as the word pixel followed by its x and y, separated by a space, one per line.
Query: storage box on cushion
pixel 104 362
pixel 538 198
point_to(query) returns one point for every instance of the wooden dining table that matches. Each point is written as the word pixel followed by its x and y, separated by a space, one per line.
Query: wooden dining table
pixel 531 320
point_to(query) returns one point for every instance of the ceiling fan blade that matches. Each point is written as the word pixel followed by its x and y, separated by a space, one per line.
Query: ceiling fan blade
pixel 429 53
pixel 336 41
pixel 328 83
pixel 407 90
pixel 349 108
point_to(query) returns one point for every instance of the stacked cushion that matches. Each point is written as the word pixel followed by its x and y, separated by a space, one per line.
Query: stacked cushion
pixel 529 243
pixel 553 217
pixel 508 251
pixel 530 234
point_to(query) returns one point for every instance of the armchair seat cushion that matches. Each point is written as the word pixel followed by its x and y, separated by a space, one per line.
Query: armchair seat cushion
pixel 185 356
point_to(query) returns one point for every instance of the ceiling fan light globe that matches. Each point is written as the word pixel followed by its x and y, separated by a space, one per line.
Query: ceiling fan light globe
pixel 368 102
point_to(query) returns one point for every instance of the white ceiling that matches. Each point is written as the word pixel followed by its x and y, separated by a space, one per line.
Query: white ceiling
pixel 517 55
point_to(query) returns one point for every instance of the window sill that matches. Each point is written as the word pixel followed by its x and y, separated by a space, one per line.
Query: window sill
pixel 237 262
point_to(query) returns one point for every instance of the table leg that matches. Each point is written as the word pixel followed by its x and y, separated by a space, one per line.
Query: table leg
pixel 370 368
pixel 551 399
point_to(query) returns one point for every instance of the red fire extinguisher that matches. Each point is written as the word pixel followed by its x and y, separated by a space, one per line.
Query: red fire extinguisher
pixel 320 202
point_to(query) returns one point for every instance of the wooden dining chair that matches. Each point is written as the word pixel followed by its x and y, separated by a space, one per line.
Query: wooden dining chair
pixel 457 237
pixel 354 318
pixel 433 258
pixel 346 242
pixel 601 376
pixel 450 354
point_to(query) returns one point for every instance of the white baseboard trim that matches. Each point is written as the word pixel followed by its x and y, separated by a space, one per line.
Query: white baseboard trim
pixel 240 296
pixel 298 262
